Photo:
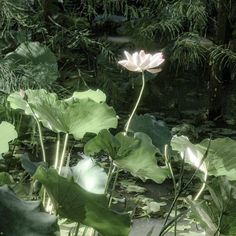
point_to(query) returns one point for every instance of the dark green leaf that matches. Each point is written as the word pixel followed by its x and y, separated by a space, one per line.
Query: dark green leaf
pixel 73 202
pixel 155 129
pixel 24 218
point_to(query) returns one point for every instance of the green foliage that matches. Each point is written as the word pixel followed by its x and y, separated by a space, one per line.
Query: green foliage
pixel 73 115
pixel 74 203
pixel 24 218
pixel 134 154
pixel 188 50
pixel 222 57
pixel 7 134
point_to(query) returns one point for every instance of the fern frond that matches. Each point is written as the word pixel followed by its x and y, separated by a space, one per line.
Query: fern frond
pixel 188 50
pixel 222 57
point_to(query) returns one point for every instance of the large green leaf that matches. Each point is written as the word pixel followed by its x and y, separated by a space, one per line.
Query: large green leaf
pixel 74 203
pixel 155 129
pixel 73 115
pixel 7 134
pixel 35 62
pixel 24 218
pixel 135 154
pixel 221 158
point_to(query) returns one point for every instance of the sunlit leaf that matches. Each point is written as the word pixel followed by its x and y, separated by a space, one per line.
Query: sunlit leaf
pixel 73 202
pixel 24 218
pixel 191 153
pixel 73 115
pixel 221 158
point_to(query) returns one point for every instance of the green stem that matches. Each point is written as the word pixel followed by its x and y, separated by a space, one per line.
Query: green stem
pixel 63 156
pixel 136 105
pixel 174 182
pixel 113 187
pixel 57 151
pixel 109 176
pixel 39 131
pixel 77 229
pixel 41 140
pixel 202 188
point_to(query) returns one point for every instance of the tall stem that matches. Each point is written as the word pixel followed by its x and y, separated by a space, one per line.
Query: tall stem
pixel 39 131
pixel 168 163
pixel 136 105
pixel 63 153
pixel 57 151
pixel 113 187
pixel 202 188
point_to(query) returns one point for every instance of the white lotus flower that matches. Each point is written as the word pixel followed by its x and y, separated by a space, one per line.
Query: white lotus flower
pixel 141 61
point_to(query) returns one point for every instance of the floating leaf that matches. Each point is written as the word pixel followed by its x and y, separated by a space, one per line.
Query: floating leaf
pixel 24 218
pixel 7 134
pixel 155 129
pixel 74 116
pixel 134 154
pixel 73 202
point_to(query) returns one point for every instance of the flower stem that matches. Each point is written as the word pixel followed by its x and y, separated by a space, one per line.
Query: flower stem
pixel 136 105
